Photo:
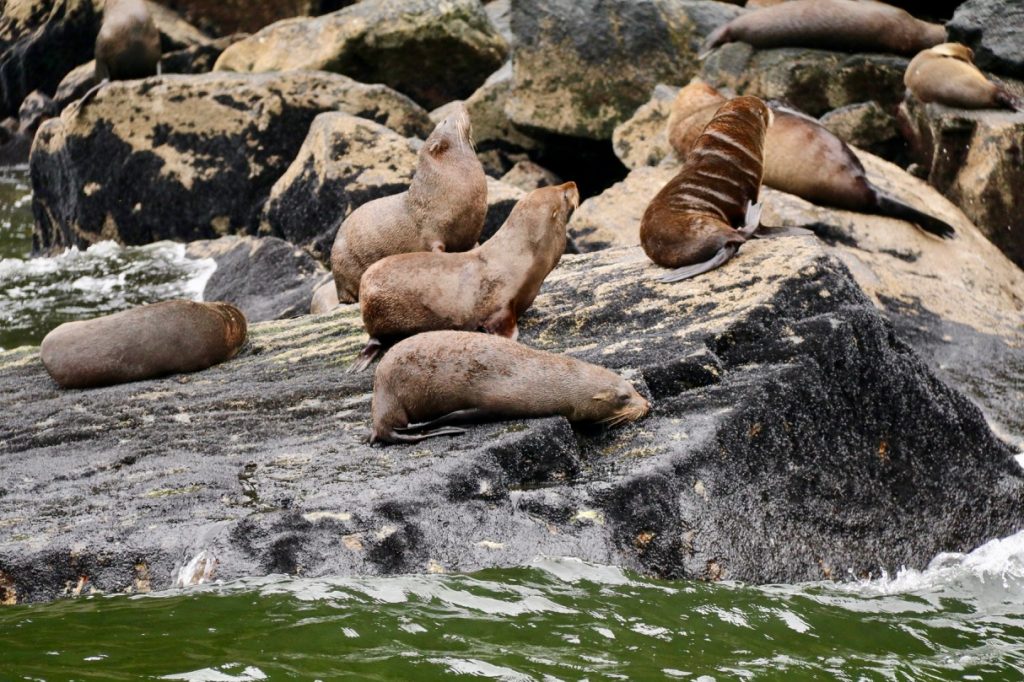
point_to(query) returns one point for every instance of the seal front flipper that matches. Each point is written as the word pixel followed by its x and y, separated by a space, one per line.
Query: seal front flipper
pixel 369 353
pixel 769 231
pixel 889 205
pixel 502 323
pixel 688 271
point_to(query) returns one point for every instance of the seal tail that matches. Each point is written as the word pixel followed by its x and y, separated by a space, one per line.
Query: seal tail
pixel 89 96
pixel 690 271
pixel 889 205
pixel 369 353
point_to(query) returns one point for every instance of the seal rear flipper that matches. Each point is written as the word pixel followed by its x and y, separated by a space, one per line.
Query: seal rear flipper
pixel 688 271
pixel 1007 98
pixel 369 353
pixel 394 437
pixel 889 205
pixel 89 95
pixel 467 416
pixel 752 220
pixel 768 231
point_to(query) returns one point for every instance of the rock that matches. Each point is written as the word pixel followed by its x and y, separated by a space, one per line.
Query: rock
pixel 432 51
pixel 867 126
pixel 992 28
pixel 35 109
pixel 40 41
pixel 198 58
pixel 75 84
pixel 956 296
pixel 794 437
pixel 643 139
pixel 175 32
pixel 528 176
pixel 581 68
pixel 976 159
pixel 501 199
pixel 814 81
pixel 266 278
pixel 186 157
pixel 345 162
pixel 500 14
pixel 223 17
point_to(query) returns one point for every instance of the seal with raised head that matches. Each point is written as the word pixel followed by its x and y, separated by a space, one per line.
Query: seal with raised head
pixel 848 25
pixel 801 157
pixel 142 343
pixel 946 74
pixel 691 223
pixel 443 209
pixel 486 289
pixel 432 380
pixel 128 44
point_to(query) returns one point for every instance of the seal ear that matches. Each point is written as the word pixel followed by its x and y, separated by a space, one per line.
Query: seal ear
pixel 605 396
pixel 438 147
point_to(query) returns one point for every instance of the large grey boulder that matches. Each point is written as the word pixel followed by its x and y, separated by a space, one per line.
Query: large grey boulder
pixel 265 277
pixel 186 157
pixel 432 51
pixel 794 437
pixel 40 41
pixel 992 28
pixel 581 68
pixel 975 159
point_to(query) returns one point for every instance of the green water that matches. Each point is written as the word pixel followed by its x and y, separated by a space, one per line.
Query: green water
pixel 963 619
pixel 37 294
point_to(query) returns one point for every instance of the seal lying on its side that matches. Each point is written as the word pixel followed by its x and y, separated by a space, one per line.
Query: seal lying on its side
pixel 689 225
pixel 443 209
pixel 439 378
pixel 849 25
pixel 485 289
pixel 801 157
pixel 946 74
pixel 143 343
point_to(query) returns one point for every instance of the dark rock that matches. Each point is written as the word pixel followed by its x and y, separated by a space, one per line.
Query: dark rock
pixel 581 68
pixel 642 140
pixel 992 28
pixel 186 157
pixel 976 159
pixel 198 58
pixel 175 32
pixel 266 278
pixel 223 17
pixel 75 84
pixel 434 52
pixel 501 199
pixel 794 437
pixel 40 42
pixel 813 81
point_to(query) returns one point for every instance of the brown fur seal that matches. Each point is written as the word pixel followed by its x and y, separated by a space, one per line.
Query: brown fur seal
pixel 946 74
pixel 143 343
pixel 443 209
pixel 485 289
pixel 445 377
pixel 801 157
pixel 848 25
pixel 690 224
pixel 128 44
pixel 325 298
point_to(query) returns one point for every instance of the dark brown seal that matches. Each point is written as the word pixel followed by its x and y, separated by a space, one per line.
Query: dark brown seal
pixel 690 224
pixel 445 377
pixel 485 289
pixel 443 209
pixel 128 44
pixel 143 343
pixel 848 25
pixel 801 157
pixel 946 74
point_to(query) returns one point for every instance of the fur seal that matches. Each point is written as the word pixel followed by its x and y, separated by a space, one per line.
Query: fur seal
pixel 485 289
pixel 443 209
pixel 143 343
pixel 946 74
pixel 444 377
pixel 801 157
pixel 325 298
pixel 847 25
pixel 128 44
pixel 690 224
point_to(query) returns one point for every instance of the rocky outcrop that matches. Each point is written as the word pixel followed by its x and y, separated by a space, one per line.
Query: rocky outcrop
pixel 39 43
pixel 264 277
pixel 794 437
pixel 814 81
pixel 186 157
pixel 952 297
pixel 642 140
pixel 975 158
pixel 867 126
pixel 528 176
pixel 175 32
pixel 344 162
pixel 581 68
pixel 222 17
pixel 992 28
pixel 434 52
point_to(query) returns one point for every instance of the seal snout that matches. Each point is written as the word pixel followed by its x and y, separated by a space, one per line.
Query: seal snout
pixel 459 124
